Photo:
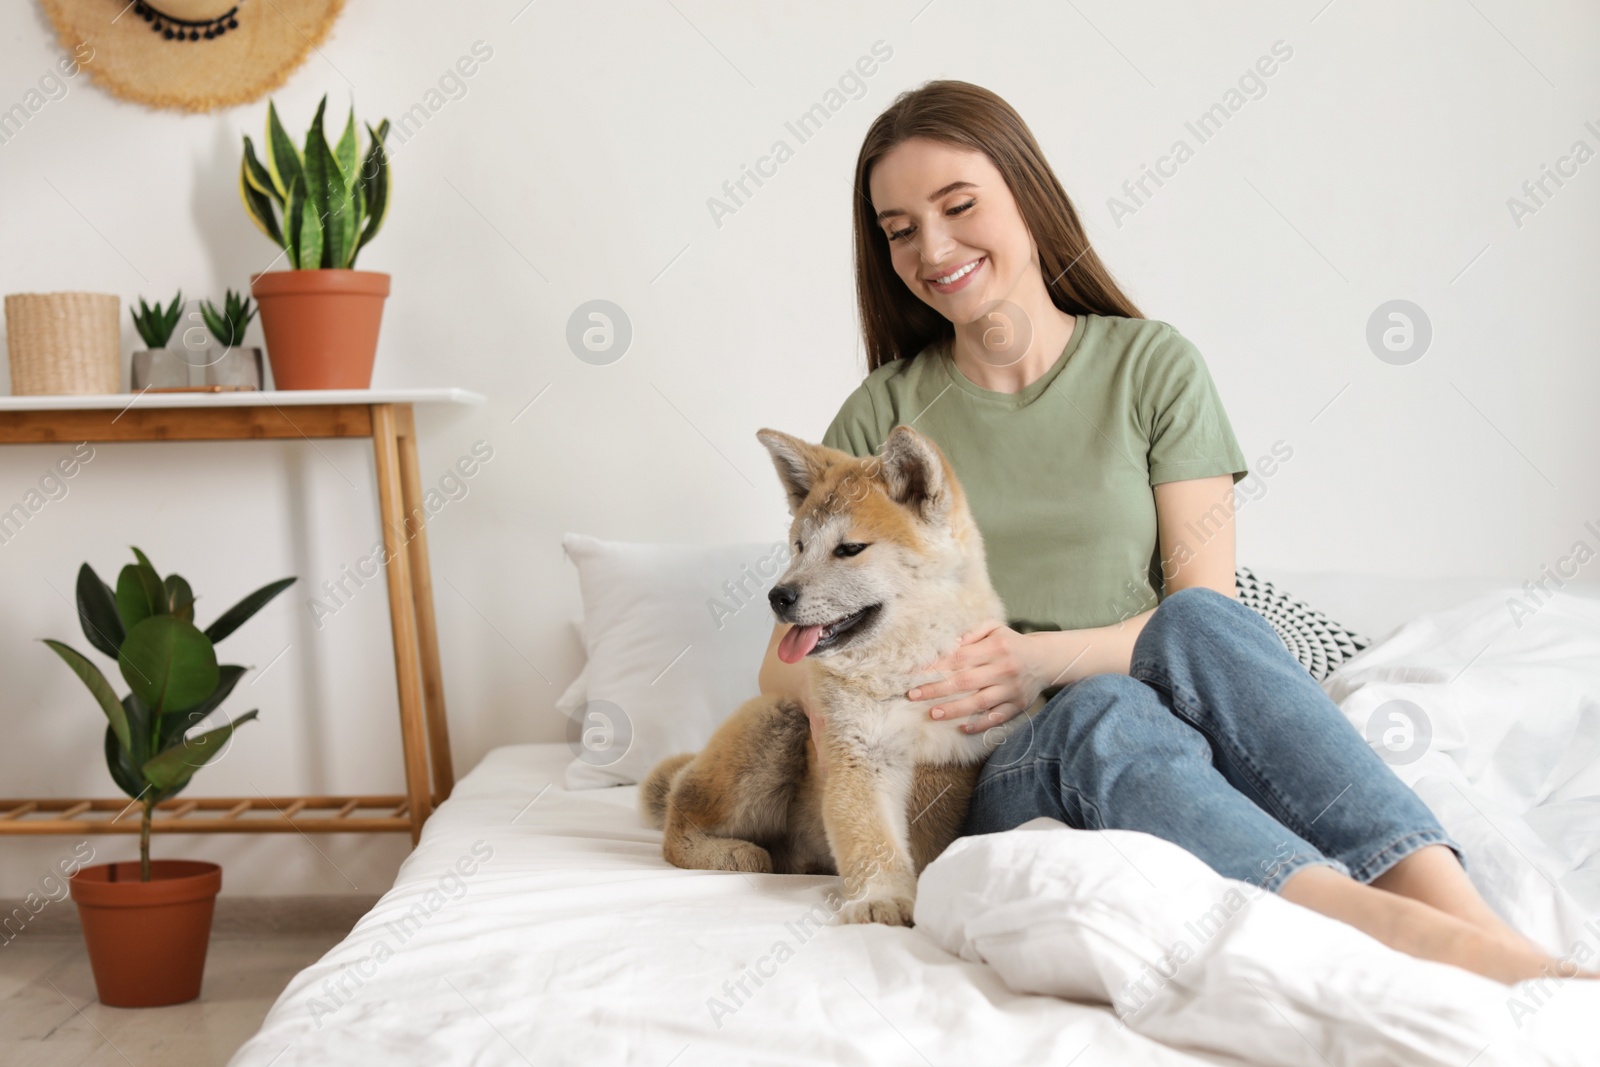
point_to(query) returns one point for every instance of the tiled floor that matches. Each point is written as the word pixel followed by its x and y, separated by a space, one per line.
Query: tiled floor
pixel 49 1016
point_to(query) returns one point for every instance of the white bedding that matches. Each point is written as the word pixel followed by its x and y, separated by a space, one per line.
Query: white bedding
pixel 1206 962
pixel 537 925
pixel 1512 767
pixel 575 943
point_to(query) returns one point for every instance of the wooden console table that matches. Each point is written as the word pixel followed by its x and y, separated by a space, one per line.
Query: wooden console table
pixel 386 417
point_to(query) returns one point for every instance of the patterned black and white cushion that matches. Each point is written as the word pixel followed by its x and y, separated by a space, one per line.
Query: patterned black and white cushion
pixel 1319 643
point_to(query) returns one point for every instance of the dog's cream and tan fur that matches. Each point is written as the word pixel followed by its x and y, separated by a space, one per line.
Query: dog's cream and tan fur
pixel 898 781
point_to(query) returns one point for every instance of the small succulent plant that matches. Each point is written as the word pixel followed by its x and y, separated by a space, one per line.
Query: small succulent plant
pixel 324 204
pixel 228 325
pixel 154 324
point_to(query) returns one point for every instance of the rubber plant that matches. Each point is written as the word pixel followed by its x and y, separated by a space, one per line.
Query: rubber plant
pixel 147 625
pixel 322 204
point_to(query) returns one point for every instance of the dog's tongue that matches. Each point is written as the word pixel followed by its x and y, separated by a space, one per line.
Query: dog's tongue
pixel 797 642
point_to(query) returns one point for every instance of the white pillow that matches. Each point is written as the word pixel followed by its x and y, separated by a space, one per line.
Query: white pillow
pixel 577 690
pixel 674 636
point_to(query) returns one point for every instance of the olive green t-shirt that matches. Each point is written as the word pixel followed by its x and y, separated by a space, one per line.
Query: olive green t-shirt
pixel 1059 475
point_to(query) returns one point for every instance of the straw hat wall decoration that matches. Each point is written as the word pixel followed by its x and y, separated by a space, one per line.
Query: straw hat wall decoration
pixel 192 55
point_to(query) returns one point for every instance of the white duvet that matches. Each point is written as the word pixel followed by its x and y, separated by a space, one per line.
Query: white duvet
pixel 571 941
pixel 535 925
pixel 1205 962
pixel 1512 768
pixel 1499 732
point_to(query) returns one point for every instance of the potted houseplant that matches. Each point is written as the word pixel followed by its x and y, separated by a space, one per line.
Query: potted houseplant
pixel 322 204
pixel 234 366
pixel 147 924
pixel 156 366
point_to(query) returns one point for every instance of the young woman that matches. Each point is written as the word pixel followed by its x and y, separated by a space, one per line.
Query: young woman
pixel 1099 464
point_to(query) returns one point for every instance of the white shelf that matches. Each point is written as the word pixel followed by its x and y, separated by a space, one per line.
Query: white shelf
pixel 258 398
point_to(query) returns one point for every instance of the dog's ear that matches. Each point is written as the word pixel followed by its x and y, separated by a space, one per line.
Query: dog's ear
pixel 799 465
pixel 913 471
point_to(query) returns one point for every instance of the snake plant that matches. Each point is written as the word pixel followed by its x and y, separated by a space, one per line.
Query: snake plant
pixel 321 204
pixel 154 324
pixel 147 625
pixel 228 324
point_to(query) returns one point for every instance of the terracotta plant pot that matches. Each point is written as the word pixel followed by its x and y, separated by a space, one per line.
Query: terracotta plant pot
pixel 147 940
pixel 321 325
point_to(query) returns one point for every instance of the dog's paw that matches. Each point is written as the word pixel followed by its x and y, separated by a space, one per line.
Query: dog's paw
pixel 889 910
pixel 742 856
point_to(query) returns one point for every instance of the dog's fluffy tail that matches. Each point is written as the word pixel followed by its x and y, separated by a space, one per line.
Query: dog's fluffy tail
pixel 657 784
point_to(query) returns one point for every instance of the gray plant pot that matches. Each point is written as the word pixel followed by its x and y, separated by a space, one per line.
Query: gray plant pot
pixel 158 368
pixel 234 368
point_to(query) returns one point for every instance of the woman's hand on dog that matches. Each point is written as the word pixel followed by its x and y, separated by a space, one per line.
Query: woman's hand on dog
pixel 818 724
pixel 998 670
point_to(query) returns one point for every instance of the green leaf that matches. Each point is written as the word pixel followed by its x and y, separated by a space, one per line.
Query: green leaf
pixel 169 322
pixel 145 324
pixel 168 663
pixel 358 210
pixel 228 323
pixel 325 190
pixel 310 244
pixel 173 725
pixel 101 689
pixel 123 767
pixel 235 616
pixel 170 770
pixel 140 595
pixel 256 176
pixel 345 151
pixel 180 598
pixel 346 214
pixel 347 208
pixel 142 728
pixel 257 204
pixel 97 612
pixel 374 185
pixel 239 313
pixel 151 574
pixel 155 325
pixel 293 217
pixel 283 161
pixel 216 323
pixel 316 157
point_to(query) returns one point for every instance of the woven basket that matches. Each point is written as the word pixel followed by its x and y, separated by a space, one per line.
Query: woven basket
pixel 64 343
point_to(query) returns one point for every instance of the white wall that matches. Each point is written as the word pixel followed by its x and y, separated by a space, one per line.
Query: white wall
pixel 578 165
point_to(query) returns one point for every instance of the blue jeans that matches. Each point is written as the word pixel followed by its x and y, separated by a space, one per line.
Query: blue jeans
pixel 1217 740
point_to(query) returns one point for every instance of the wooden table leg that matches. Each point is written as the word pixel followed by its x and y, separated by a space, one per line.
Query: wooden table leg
pixel 444 778
pixel 402 615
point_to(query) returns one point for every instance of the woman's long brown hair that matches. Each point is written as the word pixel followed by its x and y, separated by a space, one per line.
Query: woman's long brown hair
pixel 894 323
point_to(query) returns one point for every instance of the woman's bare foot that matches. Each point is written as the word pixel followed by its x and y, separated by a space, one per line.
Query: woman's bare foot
pixel 1510 960
pixel 1435 877
pixel 1421 930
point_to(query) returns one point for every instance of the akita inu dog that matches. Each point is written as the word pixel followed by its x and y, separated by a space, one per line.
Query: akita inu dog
pixel 888 573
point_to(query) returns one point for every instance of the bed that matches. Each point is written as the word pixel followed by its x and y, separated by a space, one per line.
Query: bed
pixel 576 943
pixel 539 924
